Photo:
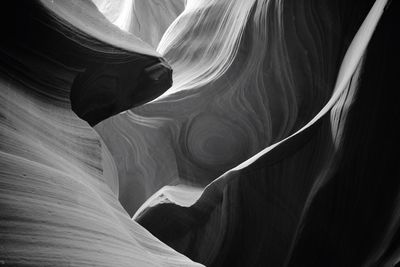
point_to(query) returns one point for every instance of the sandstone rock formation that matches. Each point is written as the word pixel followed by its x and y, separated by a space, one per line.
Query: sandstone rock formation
pixel 225 133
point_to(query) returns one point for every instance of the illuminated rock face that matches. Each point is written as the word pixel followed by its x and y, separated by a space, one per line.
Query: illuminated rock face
pixel 273 146
pixel 146 19
pixel 58 182
pixel 325 196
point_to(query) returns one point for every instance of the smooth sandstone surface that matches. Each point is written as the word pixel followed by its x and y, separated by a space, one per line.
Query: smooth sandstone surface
pixel 326 195
pixel 58 181
pixel 225 133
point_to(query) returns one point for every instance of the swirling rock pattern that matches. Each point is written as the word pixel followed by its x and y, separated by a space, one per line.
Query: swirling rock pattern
pixel 270 67
pixel 325 196
pixel 274 145
pixel 58 181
